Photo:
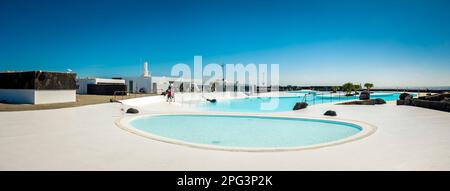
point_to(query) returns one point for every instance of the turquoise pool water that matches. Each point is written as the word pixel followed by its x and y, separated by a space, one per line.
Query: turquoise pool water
pixel 245 131
pixel 253 104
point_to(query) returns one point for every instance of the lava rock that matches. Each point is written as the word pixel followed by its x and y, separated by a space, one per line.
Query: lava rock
pixel 400 102
pixel 408 101
pixel 403 96
pixel 379 101
pixel 408 97
pixel 330 113
pixel 446 99
pixel 132 110
pixel 300 105
pixel 365 95
pixel 211 100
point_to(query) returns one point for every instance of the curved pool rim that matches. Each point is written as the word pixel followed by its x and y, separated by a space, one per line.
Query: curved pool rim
pixel 366 130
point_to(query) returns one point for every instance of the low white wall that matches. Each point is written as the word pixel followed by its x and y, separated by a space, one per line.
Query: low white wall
pixel 54 96
pixel 183 97
pixel 17 95
pixel 31 96
pixel 143 100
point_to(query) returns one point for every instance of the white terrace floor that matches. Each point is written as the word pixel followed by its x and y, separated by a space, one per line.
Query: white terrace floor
pixel 86 138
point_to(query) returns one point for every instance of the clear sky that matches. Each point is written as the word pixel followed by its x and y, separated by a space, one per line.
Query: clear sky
pixel 389 43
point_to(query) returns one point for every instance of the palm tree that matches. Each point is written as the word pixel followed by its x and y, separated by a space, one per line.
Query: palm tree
pixel 356 87
pixel 348 88
pixel 335 89
pixel 368 86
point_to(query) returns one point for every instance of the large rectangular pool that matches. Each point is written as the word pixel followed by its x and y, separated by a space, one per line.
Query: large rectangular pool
pixel 260 104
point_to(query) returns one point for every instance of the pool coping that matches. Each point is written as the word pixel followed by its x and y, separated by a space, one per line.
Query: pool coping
pixel 367 130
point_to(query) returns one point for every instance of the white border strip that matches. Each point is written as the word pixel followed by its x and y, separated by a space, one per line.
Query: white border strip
pixel 367 129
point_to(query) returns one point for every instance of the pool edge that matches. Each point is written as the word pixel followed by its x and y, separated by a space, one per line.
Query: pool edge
pixel 367 130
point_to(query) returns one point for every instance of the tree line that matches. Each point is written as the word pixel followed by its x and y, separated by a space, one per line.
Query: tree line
pixel 349 87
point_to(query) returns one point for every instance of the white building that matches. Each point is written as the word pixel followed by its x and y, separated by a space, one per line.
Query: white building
pixel 37 87
pixel 223 85
pixel 83 83
pixel 160 84
pixel 140 84
pixel 146 83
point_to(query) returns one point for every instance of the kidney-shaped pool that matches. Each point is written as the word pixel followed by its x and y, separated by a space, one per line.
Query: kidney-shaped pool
pixel 245 133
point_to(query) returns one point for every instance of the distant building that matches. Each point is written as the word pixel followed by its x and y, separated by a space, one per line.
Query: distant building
pixel 140 84
pixel 101 86
pixel 221 85
pixel 146 83
pixel 160 84
pixel 37 87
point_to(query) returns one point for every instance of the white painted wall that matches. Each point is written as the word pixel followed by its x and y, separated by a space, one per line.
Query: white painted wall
pixel 82 84
pixel 138 83
pixel 109 81
pixel 31 96
pixel 17 95
pixel 54 96
pixel 159 84
pixel 162 83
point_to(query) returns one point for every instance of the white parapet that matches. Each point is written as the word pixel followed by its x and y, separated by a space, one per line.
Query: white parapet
pixel 24 96
pixel 54 96
pixel 143 100
pixel 31 96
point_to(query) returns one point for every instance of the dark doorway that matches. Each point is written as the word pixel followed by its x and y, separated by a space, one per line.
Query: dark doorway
pixel 130 86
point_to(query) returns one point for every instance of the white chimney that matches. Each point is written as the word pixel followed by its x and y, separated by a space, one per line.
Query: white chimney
pixel 145 69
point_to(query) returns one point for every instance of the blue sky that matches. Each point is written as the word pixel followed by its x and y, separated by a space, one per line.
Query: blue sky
pixel 389 43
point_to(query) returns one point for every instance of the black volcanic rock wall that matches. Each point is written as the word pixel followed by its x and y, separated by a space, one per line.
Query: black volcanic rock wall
pixel 437 105
pixel 438 102
pixel 53 80
pixel 106 89
pixel 17 80
pixel 38 80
